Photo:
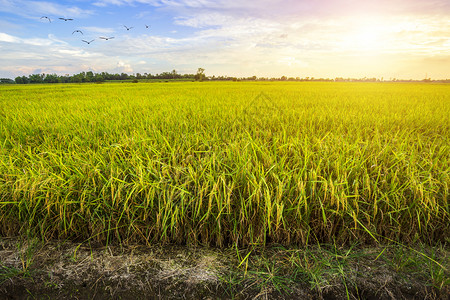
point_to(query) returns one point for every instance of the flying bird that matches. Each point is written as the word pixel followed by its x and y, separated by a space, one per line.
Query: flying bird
pixel 44 17
pixel 147 26
pixel 106 38
pixel 77 31
pixel 64 19
pixel 88 42
pixel 128 28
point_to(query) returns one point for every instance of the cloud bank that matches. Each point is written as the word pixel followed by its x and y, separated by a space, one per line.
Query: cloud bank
pixel 402 39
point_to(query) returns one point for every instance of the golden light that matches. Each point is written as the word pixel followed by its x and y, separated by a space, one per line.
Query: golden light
pixel 365 45
pixel 367 37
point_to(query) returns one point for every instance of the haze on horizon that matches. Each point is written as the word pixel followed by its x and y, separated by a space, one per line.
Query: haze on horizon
pixel 407 39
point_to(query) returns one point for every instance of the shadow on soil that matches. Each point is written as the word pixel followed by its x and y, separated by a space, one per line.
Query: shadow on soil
pixel 57 270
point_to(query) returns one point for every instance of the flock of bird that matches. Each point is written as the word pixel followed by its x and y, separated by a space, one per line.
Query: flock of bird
pixel 79 31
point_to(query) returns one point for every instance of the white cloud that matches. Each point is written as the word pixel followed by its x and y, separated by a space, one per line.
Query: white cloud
pixel 123 67
pixel 51 40
pixel 270 38
pixel 34 9
pixel 280 8
pixel 4 37
pixel 100 30
pixel 104 3
pixel 205 20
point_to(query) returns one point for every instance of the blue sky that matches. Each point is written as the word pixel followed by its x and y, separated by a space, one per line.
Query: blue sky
pixel 322 38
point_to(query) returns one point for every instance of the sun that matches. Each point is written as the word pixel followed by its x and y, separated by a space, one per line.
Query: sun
pixel 366 36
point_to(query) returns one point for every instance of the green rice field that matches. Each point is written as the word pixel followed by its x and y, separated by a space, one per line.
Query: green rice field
pixel 229 163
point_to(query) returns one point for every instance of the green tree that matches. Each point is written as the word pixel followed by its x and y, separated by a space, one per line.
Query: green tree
pixel 52 78
pixel 77 78
pixel 200 74
pixel 35 78
pixel 98 78
pixel 6 80
pixel 89 76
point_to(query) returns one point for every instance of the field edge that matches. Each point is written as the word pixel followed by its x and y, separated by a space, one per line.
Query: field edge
pixel 55 269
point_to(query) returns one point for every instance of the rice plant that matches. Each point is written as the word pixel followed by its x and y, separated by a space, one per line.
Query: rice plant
pixel 226 163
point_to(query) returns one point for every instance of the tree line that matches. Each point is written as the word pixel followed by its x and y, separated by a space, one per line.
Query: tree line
pixel 99 77
pixel 174 75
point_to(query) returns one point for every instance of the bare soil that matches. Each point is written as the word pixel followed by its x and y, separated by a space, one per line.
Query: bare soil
pixel 65 270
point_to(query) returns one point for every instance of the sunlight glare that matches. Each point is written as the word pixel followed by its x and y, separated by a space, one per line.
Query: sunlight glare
pixel 367 36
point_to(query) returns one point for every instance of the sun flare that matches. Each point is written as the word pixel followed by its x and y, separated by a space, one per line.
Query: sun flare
pixel 367 37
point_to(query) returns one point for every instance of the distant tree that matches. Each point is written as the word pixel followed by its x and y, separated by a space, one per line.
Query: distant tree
pixel 82 76
pixel 35 78
pixel 98 78
pixel 6 80
pixel 89 76
pixel 114 77
pixel 200 74
pixel 18 80
pixel 65 79
pixel 164 75
pixel 78 78
pixel 52 78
